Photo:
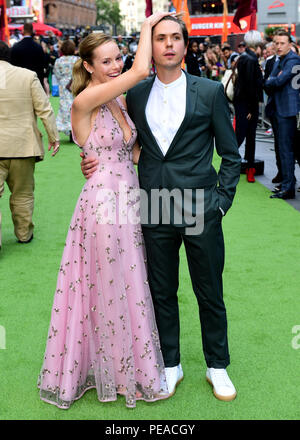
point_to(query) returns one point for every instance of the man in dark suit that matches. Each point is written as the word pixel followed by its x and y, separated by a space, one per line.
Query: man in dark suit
pixel 248 92
pixel 271 59
pixel 29 54
pixel 284 105
pixel 180 118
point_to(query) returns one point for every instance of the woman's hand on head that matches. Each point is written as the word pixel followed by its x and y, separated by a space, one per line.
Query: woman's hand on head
pixel 153 19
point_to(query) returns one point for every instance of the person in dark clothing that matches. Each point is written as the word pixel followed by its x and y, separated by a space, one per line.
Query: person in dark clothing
pixel 284 104
pixel 228 55
pixel 127 59
pixel 53 55
pixel 194 59
pixel 29 54
pixel 248 92
pixel 297 149
pixel 270 61
pixel 271 52
pixel 296 49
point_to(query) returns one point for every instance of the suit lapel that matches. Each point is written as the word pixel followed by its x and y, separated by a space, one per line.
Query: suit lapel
pixel 191 99
pixel 281 63
pixel 286 58
pixel 143 99
pixel 275 69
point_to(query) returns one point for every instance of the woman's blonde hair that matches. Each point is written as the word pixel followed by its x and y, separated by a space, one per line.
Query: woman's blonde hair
pixel 81 77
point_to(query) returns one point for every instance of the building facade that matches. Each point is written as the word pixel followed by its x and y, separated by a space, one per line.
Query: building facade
pixel 70 14
pixel 285 13
pixel 63 14
pixel 133 13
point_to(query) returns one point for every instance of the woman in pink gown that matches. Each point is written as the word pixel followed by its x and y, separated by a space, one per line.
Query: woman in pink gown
pixel 103 332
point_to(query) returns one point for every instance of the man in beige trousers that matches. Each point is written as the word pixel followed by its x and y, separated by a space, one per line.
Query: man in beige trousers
pixel 22 99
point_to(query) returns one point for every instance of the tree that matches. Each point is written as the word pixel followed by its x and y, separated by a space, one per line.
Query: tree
pixel 269 31
pixel 108 12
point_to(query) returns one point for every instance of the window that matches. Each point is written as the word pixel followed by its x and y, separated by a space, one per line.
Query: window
pixel 212 7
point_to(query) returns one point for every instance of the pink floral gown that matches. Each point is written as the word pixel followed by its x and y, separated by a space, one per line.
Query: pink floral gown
pixel 103 332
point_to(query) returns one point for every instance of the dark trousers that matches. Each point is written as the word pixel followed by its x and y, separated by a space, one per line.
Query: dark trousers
pixel 297 146
pixel 277 155
pixel 246 129
pixel 286 131
pixel 205 255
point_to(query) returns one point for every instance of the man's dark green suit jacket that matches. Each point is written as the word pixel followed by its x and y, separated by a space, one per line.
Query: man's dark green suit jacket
pixel 188 161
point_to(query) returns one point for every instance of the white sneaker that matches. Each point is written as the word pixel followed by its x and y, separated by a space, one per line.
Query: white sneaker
pixel 174 375
pixel 223 388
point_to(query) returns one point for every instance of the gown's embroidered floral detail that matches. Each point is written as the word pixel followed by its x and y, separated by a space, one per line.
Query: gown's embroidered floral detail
pixel 102 332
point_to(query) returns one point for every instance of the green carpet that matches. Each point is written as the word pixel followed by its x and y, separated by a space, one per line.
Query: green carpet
pixel 261 291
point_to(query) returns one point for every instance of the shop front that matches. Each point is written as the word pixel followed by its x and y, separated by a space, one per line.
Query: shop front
pixel 207 21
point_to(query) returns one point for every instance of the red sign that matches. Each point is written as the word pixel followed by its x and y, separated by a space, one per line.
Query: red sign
pixel 18 11
pixel 276 4
pixel 286 27
pixel 214 25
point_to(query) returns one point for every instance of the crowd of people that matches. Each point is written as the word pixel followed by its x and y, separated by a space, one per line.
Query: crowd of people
pixel 211 60
pixel 102 335
pixel 217 62
pixel 249 69
pixel 53 58
pixel 203 58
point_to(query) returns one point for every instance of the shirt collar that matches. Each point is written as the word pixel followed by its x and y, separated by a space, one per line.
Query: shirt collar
pixel 283 56
pixel 177 83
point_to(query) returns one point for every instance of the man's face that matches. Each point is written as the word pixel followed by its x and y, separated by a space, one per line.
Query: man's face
pixel 168 48
pixel 282 44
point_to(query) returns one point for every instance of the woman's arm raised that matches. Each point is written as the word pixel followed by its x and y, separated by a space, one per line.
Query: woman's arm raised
pixel 92 97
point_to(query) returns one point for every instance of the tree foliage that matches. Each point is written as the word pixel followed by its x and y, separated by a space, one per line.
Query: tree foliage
pixel 108 12
pixel 269 31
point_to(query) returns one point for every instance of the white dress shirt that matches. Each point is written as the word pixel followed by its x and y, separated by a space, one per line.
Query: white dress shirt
pixel 165 110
